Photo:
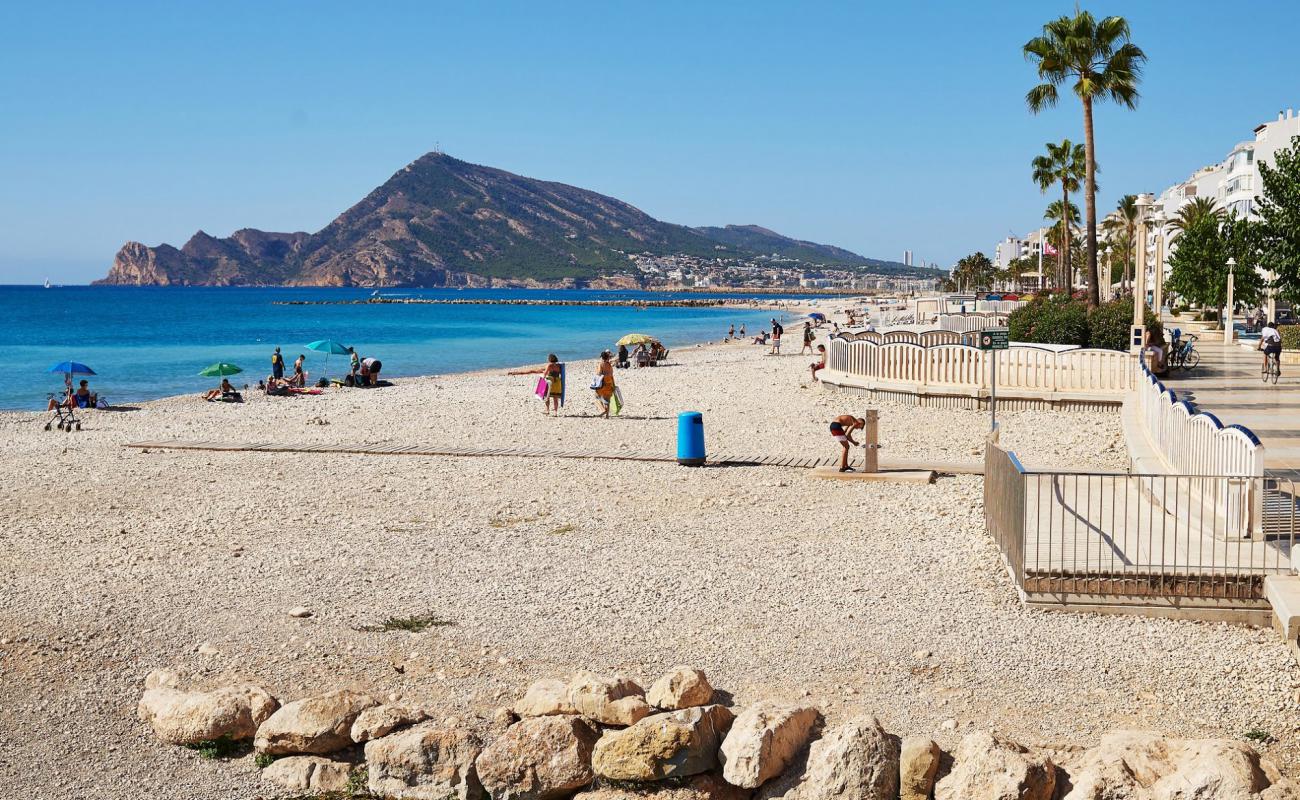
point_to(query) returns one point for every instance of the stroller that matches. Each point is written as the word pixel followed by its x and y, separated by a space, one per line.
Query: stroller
pixel 64 417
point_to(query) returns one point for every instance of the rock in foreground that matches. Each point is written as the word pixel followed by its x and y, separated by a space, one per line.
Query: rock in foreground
pixel 991 768
pixel 763 740
pixel 538 759
pixel 314 725
pixel 180 717
pixel 661 746
pixel 426 762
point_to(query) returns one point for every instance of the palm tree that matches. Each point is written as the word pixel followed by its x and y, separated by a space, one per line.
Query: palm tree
pixel 1065 163
pixel 1104 65
pixel 1190 215
pixel 1124 219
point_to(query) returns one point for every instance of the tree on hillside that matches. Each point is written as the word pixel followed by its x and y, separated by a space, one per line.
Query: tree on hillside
pixel 1279 209
pixel 1064 164
pixel 1102 64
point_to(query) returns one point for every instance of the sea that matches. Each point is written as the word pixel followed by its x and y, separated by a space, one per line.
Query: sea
pixel 148 342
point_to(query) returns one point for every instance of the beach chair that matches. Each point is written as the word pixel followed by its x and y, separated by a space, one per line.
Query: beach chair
pixel 62 416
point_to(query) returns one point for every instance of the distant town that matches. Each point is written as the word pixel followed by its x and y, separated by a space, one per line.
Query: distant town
pixel 776 272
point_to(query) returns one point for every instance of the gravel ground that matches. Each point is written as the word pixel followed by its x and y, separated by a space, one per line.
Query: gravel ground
pixel 885 598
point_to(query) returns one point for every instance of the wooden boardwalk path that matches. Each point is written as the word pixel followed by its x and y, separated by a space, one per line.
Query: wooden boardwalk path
pixel 725 458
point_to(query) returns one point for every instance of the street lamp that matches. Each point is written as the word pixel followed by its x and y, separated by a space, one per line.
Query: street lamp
pixel 1158 292
pixel 1109 269
pixel 1140 276
pixel 1227 309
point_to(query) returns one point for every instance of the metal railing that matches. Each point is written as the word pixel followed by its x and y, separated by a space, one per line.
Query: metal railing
pixel 1129 535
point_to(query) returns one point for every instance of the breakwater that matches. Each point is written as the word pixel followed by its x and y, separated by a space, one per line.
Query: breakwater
pixel 521 301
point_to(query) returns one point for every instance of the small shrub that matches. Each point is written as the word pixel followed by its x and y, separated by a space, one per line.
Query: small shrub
pixel 417 623
pixel 220 748
pixel 357 782
pixel 1262 737
pixel 263 760
pixel 1290 336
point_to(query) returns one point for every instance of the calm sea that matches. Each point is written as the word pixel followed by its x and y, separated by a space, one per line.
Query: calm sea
pixel 149 342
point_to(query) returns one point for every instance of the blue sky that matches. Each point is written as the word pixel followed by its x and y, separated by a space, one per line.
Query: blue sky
pixel 876 126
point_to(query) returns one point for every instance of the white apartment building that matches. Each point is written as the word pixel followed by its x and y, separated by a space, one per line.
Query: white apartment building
pixel 1008 250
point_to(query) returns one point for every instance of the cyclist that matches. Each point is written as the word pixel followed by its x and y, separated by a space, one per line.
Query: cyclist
pixel 1270 341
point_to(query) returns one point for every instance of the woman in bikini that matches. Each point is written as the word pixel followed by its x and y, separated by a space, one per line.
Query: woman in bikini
pixel 554 375
pixel 605 370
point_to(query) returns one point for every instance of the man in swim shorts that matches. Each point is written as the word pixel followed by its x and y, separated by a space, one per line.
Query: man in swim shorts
pixel 842 428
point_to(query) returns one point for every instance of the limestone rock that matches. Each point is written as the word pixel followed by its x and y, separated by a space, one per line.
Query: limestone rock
pixel 700 787
pixel 180 717
pixel 544 698
pixel 378 721
pixel 991 768
pixel 313 725
pixel 501 721
pixel 162 678
pixel 308 774
pixel 426 762
pixel 918 761
pixel 682 688
pixel 1145 765
pixel 609 701
pixel 856 760
pixel 762 742
pixel 661 746
pixel 539 758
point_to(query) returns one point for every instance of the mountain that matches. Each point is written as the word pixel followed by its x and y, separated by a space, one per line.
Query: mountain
pixel 441 221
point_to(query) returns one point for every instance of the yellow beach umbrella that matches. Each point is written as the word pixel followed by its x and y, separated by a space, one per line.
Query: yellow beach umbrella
pixel 637 338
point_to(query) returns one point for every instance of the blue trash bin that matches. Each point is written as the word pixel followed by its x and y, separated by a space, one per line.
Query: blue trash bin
pixel 690 438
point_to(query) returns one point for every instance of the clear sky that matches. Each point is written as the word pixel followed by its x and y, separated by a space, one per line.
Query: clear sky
pixel 875 126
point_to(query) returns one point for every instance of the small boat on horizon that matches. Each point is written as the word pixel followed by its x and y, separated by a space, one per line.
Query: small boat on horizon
pixel 47 283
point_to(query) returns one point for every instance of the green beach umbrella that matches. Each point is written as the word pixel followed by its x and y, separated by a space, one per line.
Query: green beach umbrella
pixel 328 346
pixel 220 370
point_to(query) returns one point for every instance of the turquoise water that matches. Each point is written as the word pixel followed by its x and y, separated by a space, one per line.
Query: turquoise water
pixel 149 342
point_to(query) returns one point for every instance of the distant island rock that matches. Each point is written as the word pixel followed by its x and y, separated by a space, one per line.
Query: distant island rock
pixel 441 221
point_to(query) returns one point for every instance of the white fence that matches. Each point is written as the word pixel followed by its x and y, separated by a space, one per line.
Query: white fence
pixel 1222 461
pixel 969 323
pixel 927 365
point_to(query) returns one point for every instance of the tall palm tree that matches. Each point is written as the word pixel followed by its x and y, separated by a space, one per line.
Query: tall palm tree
pixel 1064 163
pixel 1126 214
pixel 1104 65
pixel 1191 214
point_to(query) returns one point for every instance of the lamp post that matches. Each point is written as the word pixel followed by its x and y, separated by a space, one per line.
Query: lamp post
pixel 1106 284
pixel 1140 276
pixel 1271 277
pixel 1227 309
pixel 1158 292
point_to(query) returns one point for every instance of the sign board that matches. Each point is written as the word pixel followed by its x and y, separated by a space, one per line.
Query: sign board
pixel 994 339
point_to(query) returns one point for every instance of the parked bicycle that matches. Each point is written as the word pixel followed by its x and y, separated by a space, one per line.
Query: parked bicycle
pixel 1183 352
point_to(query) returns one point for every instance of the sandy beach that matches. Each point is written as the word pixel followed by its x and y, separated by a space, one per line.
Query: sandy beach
pixel 882 598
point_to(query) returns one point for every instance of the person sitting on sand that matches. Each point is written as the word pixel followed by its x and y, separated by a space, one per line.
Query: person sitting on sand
pixel 820 363
pixel 554 375
pixel 222 391
pixel 299 377
pixel 623 362
pixel 808 337
pixel 842 428
pixel 761 338
pixel 81 397
pixel 604 384
pixel 277 386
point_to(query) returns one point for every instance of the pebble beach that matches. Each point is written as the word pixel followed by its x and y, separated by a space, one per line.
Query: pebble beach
pixel 878 598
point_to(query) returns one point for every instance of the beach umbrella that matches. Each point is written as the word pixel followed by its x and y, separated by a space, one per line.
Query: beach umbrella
pixel 328 346
pixel 71 368
pixel 637 338
pixel 220 370
pixel 817 315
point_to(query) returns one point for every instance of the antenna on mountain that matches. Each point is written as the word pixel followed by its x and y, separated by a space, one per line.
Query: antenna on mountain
pixel 437 148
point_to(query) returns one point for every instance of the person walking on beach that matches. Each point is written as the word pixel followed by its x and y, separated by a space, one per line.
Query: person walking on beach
pixel 731 332
pixel 742 330
pixel 554 375
pixel 842 428
pixel 354 367
pixel 808 337
pixel 604 383
pixel 299 376
pixel 777 330
pixel 277 364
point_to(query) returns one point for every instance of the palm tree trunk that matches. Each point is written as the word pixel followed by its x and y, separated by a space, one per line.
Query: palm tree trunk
pixel 1063 255
pixel 1090 195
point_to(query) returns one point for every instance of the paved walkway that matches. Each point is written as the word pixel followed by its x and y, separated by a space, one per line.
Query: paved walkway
pixel 1227 384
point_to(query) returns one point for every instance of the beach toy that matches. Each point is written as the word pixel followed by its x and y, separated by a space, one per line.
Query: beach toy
pixel 690 438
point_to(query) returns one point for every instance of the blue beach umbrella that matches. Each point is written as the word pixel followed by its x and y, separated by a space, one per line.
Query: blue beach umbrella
pixel 71 368
pixel 328 346
pixel 817 315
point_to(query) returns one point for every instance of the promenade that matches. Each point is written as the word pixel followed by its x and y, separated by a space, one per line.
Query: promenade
pixel 1227 384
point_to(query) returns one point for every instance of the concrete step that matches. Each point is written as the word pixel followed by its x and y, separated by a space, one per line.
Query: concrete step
pixel 1283 594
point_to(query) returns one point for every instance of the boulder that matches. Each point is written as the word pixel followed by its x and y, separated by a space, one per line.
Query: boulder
pixel 762 742
pixel 857 760
pixel 308 774
pixel 539 758
pixel 918 761
pixel 609 701
pixel 427 762
pixel 180 717
pixel 1148 766
pixel 990 768
pixel 661 746
pixel 544 698
pixel 682 688
pixel 378 721
pixel 313 725
pixel 162 678
pixel 699 787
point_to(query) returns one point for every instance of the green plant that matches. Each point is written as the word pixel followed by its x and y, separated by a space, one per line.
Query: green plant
pixel 417 623
pixel 1054 318
pixel 564 529
pixel 1263 737
pixel 1173 312
pixel 357 780
pixel 222 747
pixel 263 760
pixel 1102 64
pixel 1109 324
pixel 1290 336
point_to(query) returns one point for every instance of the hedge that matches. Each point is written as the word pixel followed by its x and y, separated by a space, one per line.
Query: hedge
pixel 1060 319
pixel 1290 336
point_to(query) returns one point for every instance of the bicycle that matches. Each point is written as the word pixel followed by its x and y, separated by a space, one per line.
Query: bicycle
pixel 1272 368
pixel 1184 355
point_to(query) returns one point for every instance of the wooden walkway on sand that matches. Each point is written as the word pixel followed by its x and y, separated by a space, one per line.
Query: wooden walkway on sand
pixel 725 458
